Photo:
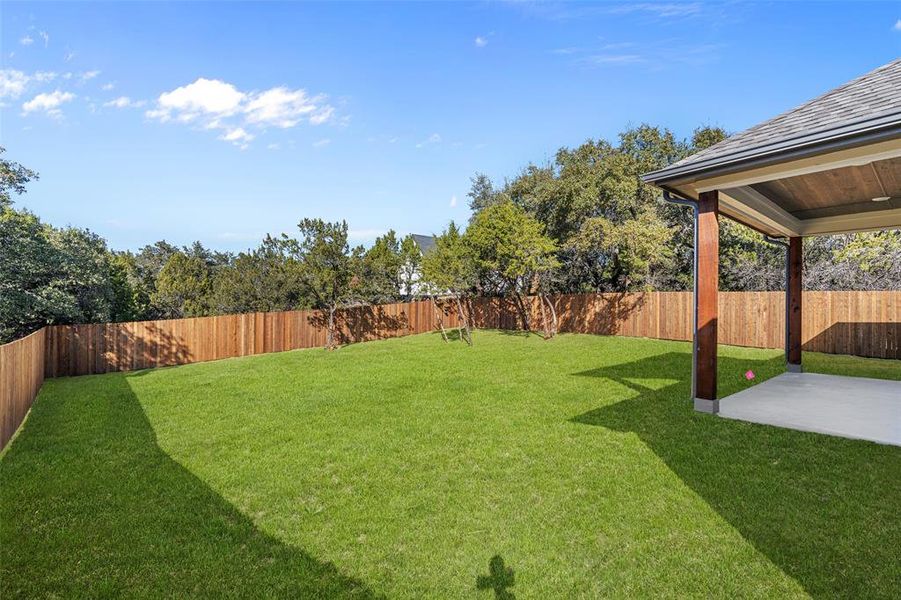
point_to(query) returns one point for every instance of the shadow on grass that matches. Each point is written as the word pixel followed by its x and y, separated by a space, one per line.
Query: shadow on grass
pixel 499 579
pixel 110 514
pixel 824 509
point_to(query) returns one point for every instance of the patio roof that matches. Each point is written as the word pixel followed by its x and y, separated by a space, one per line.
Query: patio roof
pixel 832 165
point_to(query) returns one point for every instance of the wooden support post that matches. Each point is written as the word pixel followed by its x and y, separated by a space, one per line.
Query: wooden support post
pixel 793 312
pixel 708 257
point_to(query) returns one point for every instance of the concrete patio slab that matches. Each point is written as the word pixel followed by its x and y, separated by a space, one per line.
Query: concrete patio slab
pixel 851 407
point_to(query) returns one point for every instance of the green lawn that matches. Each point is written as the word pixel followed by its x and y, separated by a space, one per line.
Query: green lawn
pixel 412 468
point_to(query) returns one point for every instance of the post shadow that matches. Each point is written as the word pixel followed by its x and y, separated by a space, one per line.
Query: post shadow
pixel 114 515
pixel 500 577
pixel 824 509
pixel 877 340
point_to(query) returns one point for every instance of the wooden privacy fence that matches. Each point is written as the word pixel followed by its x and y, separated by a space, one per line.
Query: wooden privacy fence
pixel 106 347
pixel 21 376
pixel 860 323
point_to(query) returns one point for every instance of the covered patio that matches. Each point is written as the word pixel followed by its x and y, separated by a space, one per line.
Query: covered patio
pixel 852 407
pixel 832 165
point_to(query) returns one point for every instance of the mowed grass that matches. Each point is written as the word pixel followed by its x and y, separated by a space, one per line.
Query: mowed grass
pixel 573 467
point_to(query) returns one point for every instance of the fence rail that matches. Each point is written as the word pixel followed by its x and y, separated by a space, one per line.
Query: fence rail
pixel 21 376
pixel 859 323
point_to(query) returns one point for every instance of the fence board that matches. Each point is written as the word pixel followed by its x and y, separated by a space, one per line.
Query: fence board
pixel 21 376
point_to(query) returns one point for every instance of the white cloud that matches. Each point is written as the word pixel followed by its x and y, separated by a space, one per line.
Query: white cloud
pixel 215 104
pixel 107 86
pixel 432 139
pixel 26 40
pixel 203 98
pixel 324 114
pixel 274 146
pixel 68 56
pixel 12 83
pixel 48 103
pixel 660 10
pixel 124 102
pixel 238 136
pixel 615 59
pixel 897 26
pixel 46 37
pixel 453 202
pixel 321 143
pixel 88 75
pixel 480 42
pixel 281 107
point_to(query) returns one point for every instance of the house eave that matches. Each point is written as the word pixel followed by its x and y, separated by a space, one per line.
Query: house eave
pixel 848 136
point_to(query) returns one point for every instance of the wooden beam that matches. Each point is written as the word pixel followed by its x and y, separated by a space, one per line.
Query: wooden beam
pixel 793 314
pixel 708 287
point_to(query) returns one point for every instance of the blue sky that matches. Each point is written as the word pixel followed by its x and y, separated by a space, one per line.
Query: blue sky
pixel 222 122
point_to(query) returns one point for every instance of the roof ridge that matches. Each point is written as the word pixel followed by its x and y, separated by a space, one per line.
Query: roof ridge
pixel 727 147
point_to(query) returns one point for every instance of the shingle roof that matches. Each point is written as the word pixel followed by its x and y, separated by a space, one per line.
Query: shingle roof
pixel 425 242
pixel 870 102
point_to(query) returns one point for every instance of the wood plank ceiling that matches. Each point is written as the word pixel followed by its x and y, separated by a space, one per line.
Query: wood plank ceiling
pixel 842 191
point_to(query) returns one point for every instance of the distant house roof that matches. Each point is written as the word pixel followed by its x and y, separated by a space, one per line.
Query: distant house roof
pixel 425 242
pixel 862 111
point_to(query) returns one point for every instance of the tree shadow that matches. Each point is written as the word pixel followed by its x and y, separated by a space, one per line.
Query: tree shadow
pixel 108 347
pixel 111 514
pixel 601 314
pixel 824 509
pixel 364 323
pixel 499 578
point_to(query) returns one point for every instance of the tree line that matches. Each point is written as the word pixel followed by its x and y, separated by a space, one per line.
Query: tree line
pixel 582 222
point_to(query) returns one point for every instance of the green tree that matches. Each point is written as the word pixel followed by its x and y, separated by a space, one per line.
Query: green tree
pixel 482 193
pixel 511 252
pixel 329 269
pixel 621 257
pixel 381 270
pixel 131 302
pixel 862 261
pixel 265 279
pixel 50 275
pixel 148 262
pixel 597 187
pixel 183 287
pixel 13 178
pixel 449 269
pixel 28 259
pixel 411 262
